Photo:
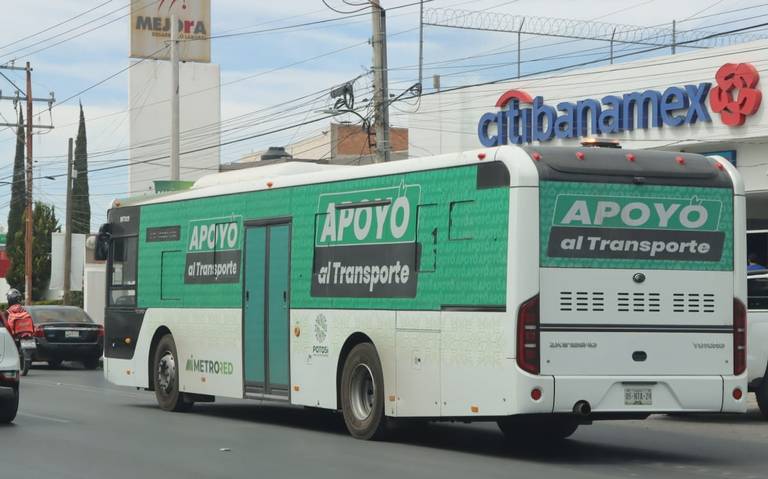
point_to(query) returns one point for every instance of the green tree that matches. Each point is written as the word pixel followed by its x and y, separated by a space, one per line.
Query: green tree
pixel 18 189
pixel 44 223
pixel 81 201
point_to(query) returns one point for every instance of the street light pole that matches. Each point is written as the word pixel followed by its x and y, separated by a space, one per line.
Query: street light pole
pixel 68 232
pixel 174 97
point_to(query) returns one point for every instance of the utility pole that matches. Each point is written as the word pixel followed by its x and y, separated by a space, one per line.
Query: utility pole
pixel 28 241
pixel 28 233
pixel 674 36
pixel 174 97
pixel 380 86
pixel 68 232
pixel 421 46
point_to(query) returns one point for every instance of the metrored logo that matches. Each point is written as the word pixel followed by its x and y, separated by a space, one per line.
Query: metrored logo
pixel 735 97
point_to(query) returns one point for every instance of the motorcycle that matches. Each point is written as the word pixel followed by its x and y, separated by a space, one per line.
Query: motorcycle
pixel 26 346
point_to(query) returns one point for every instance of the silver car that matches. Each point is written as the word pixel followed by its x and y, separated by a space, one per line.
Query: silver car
pixel 9 377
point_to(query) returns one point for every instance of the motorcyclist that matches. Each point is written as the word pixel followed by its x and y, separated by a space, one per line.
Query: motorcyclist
pixel 19 320
pixel 19 324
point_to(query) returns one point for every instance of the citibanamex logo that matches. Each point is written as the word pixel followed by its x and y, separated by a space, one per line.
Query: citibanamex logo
pixel 735 96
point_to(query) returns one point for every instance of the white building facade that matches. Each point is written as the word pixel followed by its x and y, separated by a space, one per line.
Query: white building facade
pixel 709 101
pixel 149 87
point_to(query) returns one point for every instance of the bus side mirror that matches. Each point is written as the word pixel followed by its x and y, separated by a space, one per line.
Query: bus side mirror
pixel 103 238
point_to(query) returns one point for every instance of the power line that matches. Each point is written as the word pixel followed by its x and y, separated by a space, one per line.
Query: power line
pixel 315 120
pixel 491 82
pixel 46 47
pixel 48 29
pixel 500 51
pixel 343 12
pixel 261 73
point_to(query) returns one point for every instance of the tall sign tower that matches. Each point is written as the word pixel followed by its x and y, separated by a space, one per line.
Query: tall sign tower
pixel 151 95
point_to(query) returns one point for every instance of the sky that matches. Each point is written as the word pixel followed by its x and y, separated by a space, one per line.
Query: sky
pixel 266 72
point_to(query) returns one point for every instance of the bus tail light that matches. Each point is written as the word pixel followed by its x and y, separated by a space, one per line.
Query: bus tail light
pixel 739 337
pixel 528 336
pixel 737 394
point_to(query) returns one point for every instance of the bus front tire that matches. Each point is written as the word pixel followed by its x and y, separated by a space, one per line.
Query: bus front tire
pixel 91 363
pixel 166 377
pixel 9 407
pixel 537 429
pixel 362 393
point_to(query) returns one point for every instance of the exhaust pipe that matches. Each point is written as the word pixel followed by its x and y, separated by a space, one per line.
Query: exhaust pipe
pixel 582 408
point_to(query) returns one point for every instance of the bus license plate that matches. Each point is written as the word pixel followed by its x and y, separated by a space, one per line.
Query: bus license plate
pixel 638 397
pixel 71 334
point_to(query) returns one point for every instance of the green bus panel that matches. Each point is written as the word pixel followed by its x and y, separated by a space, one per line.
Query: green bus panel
pixel 465 266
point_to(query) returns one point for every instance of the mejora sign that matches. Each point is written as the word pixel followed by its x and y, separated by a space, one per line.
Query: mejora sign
pixel 525 119
pixel 365 243
pixel 151 29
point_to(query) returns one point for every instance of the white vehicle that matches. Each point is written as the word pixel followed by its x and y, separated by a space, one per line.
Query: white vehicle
pixel 538 287
pixel 757 329
pixel 9 377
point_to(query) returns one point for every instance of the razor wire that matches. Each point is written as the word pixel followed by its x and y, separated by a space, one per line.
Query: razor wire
pixel 581 29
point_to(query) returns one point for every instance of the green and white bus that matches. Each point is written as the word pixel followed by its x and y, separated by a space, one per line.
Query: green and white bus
pixel 539 287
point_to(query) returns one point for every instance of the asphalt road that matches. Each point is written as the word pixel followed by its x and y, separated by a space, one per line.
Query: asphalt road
pixel 72 424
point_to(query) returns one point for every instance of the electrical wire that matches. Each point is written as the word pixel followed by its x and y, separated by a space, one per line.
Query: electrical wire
pixel 80 34
pixel 343 12
pixel 52 27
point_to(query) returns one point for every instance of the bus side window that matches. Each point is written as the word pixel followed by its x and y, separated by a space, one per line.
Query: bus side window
pixel 462 218
pixel 426 237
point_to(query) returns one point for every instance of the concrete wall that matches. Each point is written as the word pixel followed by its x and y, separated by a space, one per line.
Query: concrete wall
pixel 95 290
pixel 150 121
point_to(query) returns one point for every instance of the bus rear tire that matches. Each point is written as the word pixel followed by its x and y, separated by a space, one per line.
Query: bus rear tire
pixel 166 377
pixel 362 393
pixel 537 429
pixel 761 394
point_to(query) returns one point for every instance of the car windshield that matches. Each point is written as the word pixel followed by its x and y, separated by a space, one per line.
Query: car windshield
pixel 45 315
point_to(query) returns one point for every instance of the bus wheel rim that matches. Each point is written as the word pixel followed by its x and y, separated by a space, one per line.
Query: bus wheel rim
pixel 166 372
pixel 362 392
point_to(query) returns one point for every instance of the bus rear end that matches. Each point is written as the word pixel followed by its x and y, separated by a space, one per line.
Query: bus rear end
pixel 642 283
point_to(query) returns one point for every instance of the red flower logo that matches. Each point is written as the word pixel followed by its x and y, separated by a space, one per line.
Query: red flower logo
pixel 743 78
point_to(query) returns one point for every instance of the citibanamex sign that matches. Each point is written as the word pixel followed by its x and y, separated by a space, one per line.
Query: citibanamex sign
pixel 521 118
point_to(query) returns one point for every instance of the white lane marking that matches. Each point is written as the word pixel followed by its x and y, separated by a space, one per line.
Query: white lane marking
pixel 90 389
pixel 45 418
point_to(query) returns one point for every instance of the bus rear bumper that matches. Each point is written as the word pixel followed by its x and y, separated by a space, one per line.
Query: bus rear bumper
pixel 125 372
pixel 652 394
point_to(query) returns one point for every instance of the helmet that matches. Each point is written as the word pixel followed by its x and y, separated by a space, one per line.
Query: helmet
pixel 13 296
